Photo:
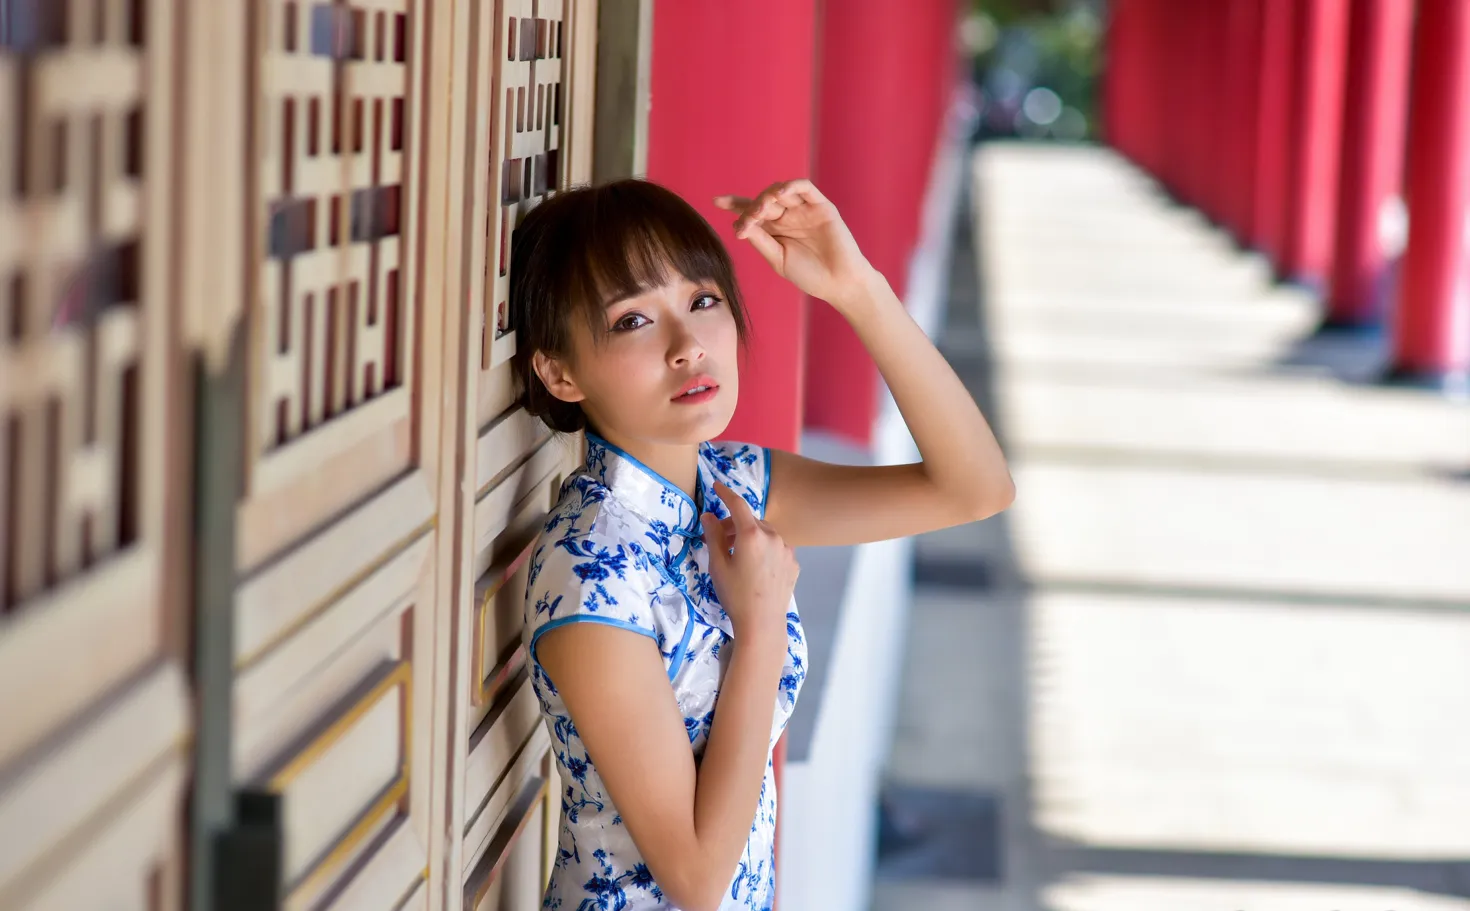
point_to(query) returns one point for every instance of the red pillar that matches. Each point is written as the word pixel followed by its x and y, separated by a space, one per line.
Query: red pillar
pixel 1272 131
pixel 1210 125
pixel 1372 150
pixel 1242 92
pixel 1184 100
pixel 1131 69
pixel 1137 87
pixel 882 93
pixel 1119 78
pixel 1311 202
pixel 1432 320
pixel 1180 95
pixel 736 129
pixel 1154 102
pixel 1164 94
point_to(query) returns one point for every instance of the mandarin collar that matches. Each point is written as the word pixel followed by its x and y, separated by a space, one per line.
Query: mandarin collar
pixel 648 493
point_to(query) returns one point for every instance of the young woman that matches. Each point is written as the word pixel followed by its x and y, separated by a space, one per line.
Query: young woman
pixel 666 649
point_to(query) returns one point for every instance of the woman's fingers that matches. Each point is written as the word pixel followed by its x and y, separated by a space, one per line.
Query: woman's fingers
pixel 718 539
pixel 786 194
pixel 767 206
pixel 762 211
pixel 733 203
pixel 805 190
pixel 740 510
pixel 766 245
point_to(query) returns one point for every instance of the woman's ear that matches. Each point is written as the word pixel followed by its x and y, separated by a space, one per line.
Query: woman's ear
pixel 554 375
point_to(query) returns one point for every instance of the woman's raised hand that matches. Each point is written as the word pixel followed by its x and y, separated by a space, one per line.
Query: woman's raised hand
pixel 800 233
pixel 755 583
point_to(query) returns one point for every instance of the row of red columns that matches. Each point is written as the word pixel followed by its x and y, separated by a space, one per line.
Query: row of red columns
pixel 1294 125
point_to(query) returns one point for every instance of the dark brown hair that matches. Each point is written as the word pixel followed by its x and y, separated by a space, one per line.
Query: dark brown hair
pixel 584 246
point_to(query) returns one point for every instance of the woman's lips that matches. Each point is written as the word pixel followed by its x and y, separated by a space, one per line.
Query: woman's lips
pixel 694 398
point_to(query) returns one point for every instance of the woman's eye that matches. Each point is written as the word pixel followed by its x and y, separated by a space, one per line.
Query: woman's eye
pixel 630 322
pixel 706 301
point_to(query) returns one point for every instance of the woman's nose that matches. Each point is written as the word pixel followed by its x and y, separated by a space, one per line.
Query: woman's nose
pixel 685 347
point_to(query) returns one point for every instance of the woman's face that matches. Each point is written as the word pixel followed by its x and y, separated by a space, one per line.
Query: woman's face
pixel 633 381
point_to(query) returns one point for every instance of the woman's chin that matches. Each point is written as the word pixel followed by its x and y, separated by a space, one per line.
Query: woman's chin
pixel 698 423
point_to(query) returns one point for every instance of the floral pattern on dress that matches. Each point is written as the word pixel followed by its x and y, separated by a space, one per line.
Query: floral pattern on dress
pixel 625 548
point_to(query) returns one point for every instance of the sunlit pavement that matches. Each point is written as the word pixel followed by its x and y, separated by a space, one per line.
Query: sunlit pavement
pixel 1217 656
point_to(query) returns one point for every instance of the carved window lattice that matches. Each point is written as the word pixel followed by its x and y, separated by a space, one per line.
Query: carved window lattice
pixel 526 141
pixel 73 300
pixel 334 301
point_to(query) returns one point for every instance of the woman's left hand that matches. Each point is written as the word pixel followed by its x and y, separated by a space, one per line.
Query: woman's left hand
pixel 800 233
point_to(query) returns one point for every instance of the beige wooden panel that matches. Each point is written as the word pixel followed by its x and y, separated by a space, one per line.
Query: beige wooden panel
pixel 378 886
pixel 214 271
pixel 497 650
pixel 507 520
pixel 132 860
pixel 71 788
pixel 335 396
pixel 92 741
pixel 360 761
pixel 578 90
pixel 335 718
pixel 503 508
pixel 510 873
pixel 456 101
pixel 345 786
pixel 522 156
pixel 504 443
pixel 382 594
pixel 416 900
pixel 84 308
pixel 278 600
pixel 494 744
pixel 517 882
pixel 336 616
pixel 488 814
pixel 521 64
pixel 73 644
pixel 551 830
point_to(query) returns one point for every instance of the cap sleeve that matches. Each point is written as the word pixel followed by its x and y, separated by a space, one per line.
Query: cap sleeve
pixel 745 468
pixel 578 575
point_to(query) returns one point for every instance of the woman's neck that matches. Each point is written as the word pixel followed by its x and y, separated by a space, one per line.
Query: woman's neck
pixel 676 463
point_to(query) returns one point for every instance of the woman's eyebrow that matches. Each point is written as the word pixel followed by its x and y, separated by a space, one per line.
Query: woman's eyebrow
pixel 616 299
pixel 619 298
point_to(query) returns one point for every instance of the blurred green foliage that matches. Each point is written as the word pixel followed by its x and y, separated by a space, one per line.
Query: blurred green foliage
pixel 1065 35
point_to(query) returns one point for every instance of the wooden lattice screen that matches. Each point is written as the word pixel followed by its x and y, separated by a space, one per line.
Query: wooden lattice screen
pixel 96 710
pixel 265 499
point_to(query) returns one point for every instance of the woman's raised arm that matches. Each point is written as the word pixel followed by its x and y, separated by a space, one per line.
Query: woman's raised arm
pixel 963 476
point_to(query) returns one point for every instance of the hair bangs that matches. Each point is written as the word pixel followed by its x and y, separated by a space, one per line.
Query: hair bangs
pixel 635 237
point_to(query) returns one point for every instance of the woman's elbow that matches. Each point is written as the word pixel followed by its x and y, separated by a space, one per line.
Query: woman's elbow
pixel 696 889
pixel 994 499
pixel 697 896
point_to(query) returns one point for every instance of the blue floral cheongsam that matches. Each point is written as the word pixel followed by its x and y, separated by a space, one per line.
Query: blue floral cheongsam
pixel 623 547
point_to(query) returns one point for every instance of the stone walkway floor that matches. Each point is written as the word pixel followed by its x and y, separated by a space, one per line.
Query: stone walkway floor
pixel 1217 656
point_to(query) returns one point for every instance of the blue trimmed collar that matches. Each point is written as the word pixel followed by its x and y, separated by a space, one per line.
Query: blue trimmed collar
pixel 644 491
